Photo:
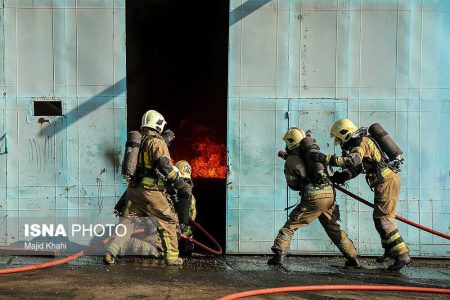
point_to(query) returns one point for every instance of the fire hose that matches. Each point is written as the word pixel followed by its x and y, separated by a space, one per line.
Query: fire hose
pixel 289 289
pixel 210 237
pixel 400 218
pixel 348 287
pixel 282 154
pixel 103 242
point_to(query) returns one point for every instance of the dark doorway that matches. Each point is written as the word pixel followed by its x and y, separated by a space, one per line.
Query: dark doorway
pixel 177 55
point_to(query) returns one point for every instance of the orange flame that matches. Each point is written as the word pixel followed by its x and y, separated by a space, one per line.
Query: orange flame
pixel 210 157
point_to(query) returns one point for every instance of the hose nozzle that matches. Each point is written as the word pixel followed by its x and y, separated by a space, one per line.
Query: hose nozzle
pixel 282 154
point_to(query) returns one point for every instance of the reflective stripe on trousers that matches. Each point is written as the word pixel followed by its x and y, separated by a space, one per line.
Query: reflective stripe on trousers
pixel 385 209
pixel 153 202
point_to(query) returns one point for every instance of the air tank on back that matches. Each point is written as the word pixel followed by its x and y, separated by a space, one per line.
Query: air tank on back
pixel 131 155
pixel 386 143
pixel 316 170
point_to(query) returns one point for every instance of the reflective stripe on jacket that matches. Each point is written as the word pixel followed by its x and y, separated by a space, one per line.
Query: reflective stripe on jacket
pixel 153 148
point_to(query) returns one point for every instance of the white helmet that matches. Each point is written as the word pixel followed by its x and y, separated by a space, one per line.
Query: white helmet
pixel 153 119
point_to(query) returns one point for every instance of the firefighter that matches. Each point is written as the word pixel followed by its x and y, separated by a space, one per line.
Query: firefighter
pixel 317 201
pixel 362 154
pixel 146 194
pixel 185 208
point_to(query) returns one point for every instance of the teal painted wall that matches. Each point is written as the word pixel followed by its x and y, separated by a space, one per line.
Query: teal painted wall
pixel 309 63
pixel 67 167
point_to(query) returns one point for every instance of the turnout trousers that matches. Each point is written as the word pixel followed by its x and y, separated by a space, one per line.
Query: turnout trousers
pixel 385 209
pixel 320 206
pixel 149 203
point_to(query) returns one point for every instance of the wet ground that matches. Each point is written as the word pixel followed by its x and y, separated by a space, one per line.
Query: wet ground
pixel 208 278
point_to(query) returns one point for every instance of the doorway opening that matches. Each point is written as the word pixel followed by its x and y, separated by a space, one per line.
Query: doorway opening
pixel 177 61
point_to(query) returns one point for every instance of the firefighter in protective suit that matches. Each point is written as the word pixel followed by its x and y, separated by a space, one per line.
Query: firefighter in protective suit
pixel 146 194
pixel 185 207
pixel 363 155
pixel 317 201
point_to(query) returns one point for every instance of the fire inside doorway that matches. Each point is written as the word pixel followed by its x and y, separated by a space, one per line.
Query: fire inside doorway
pixel 177 65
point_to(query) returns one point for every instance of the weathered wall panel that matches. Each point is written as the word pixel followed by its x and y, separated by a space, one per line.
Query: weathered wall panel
pixel 371 61
pixel 61 167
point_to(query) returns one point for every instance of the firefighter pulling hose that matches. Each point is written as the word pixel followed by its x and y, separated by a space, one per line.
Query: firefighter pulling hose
pixel 317 199
pixel 281 154
pixel 393 155
pixel 373 152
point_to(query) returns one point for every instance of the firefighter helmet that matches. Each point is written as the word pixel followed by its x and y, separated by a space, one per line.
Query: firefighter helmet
pixel 293 137
pixel 342 131
pixel 153 119
pixel 185 169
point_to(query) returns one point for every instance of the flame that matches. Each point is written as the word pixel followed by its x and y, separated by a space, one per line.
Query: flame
pixel 210 158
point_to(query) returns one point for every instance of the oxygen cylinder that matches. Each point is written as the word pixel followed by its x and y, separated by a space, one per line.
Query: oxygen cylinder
pixel 316 170
pixel 385 141
pixel 131 155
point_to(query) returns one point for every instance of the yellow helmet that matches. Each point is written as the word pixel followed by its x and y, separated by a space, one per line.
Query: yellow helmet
pixel 342 131
pixel 293 137
pixel 185 169
pixel 153 119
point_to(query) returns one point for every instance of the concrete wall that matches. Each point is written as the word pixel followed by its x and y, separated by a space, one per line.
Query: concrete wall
pixel 60 167
pixel 309 63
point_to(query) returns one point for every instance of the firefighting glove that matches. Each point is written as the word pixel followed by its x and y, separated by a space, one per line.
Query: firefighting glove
pixel 308 133
pixel 341 177
pixel 186 230
pixel 318 157
pixel 168 136
pixel 331 160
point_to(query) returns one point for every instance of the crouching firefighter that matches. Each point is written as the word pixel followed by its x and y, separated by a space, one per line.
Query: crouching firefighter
pixel 184 203
pixel 317 199
pixel 145 196
pixel 372 152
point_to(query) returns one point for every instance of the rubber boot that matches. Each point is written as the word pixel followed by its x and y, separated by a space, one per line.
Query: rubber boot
pixel 352 263
pixel 277 258
pixel 174 262
pixel 108 259
pixel 384 258
pixel 400 261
